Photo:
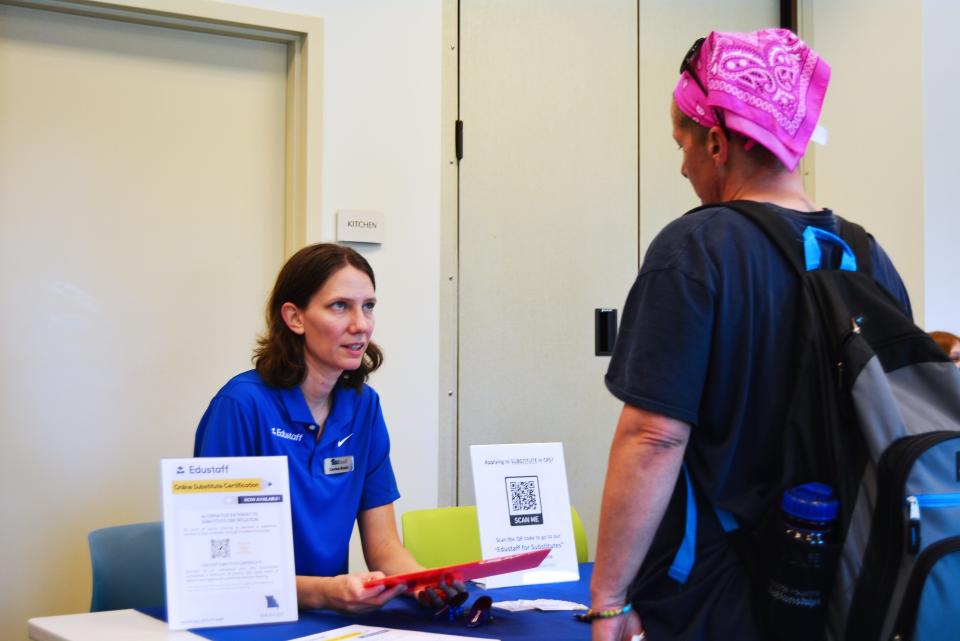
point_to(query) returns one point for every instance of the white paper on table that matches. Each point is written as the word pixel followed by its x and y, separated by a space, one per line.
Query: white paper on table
pixel 228 541
pixel 363 632
pixel 544 605
pixel 523 504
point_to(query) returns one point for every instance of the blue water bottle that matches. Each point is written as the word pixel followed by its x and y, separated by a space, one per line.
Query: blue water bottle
pixel 807 554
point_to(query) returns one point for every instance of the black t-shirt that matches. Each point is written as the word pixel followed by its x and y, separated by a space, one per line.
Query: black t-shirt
pixel 708 337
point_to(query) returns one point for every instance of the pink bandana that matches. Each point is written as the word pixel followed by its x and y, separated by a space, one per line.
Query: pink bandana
pixel 769 84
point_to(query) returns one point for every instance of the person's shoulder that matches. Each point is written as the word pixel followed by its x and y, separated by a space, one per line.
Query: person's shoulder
pixel 878 252
pixel 718 224
pixel 245 387
pixel 705 230
pixel 886 273
pixel 693 220
pixel 706 223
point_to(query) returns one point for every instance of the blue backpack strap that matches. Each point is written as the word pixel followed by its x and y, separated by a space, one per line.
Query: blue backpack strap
pixel 812 253
pixel 727 520
pixel 859 241
pixel 784 235
pixel 686 554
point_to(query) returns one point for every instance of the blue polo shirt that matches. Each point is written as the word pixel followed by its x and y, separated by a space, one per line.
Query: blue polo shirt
pixel 249 418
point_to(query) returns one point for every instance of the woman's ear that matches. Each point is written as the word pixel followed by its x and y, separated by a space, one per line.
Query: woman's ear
pixel 718 146
pixel 293 317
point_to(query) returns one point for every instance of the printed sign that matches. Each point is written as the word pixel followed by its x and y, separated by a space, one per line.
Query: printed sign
pixel 228 541
pixel 523 504
pixel 360 226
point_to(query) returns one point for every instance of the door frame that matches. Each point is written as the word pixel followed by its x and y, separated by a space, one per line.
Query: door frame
pixel 303 38
pixel 449 286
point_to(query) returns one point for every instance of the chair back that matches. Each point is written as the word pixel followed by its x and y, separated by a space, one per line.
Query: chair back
pixel 127 563
pixel 579 537
pixel 450 535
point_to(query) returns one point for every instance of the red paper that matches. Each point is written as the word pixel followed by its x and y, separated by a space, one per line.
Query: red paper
pixel 464 571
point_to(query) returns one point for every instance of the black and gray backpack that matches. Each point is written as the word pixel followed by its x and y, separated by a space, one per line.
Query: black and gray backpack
pixel 875 414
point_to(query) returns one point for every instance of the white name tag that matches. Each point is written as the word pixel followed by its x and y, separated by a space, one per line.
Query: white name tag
pixel 337 464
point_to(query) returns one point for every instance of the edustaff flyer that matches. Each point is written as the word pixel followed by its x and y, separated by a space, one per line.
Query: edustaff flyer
pixel 228 541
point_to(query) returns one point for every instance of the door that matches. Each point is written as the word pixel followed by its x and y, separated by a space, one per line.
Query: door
pixel 553 175
pixel 548 225
pixel 141 225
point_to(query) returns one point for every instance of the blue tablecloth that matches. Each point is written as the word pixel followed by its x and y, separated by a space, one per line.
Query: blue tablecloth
pixel 404 614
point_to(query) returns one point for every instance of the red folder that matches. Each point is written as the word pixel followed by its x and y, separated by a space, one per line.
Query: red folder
pixel 464 571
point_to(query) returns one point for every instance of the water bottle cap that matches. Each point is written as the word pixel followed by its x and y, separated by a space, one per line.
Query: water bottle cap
pixel 810 502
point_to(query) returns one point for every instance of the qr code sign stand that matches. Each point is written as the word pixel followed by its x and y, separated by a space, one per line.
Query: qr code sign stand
pixel 523 505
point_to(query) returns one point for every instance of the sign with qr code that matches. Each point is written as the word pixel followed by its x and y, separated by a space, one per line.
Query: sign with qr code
pixel 523 504
pixel 228 541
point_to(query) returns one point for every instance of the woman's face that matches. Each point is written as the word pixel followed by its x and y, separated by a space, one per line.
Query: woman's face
pixel 337 323
pixel 955 354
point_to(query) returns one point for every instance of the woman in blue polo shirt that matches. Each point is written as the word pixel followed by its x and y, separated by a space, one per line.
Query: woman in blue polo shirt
pixel 307 399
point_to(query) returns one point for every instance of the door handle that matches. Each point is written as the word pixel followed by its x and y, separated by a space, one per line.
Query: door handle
pixel 604 330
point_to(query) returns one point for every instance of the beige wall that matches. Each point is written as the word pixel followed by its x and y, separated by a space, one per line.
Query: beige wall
pixel 872 169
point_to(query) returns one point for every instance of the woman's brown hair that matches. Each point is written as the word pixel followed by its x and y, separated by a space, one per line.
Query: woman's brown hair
pixel 278 356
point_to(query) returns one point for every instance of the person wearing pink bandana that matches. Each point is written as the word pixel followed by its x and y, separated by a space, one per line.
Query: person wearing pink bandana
pixel 766 86
pixel 707 348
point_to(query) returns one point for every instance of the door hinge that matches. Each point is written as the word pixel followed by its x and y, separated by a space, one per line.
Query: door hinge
pixel 458 137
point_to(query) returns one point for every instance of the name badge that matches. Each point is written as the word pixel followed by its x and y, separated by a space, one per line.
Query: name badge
pixel 337 464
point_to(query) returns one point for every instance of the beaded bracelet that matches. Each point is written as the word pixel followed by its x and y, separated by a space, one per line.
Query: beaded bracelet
pixel 592 614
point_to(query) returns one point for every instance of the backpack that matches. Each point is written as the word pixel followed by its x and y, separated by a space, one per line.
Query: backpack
pixel 875 414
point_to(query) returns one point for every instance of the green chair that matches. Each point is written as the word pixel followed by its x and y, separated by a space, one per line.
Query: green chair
pixel 449 535
pixel 127 563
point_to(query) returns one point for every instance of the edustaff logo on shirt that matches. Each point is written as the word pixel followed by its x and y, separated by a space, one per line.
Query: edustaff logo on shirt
pixel 282 433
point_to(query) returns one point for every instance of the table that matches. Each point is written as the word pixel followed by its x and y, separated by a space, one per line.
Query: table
pixel 124 625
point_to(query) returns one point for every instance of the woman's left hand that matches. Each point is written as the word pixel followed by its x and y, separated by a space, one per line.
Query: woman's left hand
pixel 344 593
pixel 435 596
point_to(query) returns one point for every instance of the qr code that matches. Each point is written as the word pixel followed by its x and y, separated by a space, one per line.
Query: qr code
pixel 523 500
pixel 524 493
pixel 219 548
